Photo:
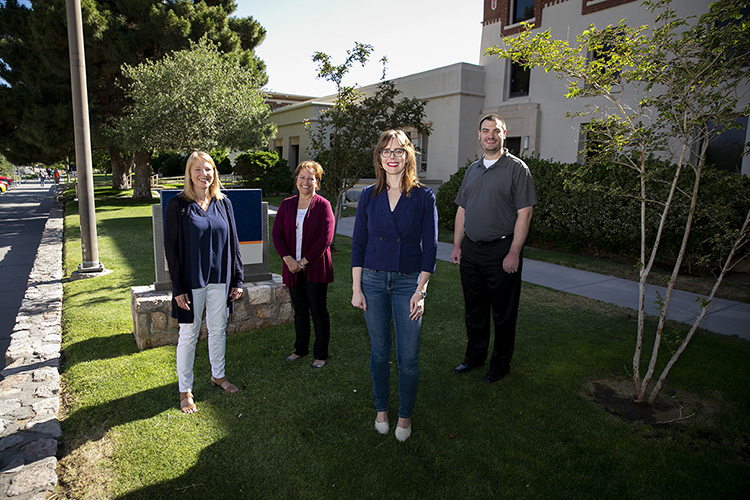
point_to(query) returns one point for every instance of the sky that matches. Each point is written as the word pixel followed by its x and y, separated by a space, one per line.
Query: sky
pixel 415 36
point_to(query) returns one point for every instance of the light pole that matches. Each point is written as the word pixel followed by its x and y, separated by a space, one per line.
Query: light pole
pixel 87 213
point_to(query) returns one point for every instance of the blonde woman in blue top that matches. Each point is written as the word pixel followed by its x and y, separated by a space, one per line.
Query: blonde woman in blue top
pixel 393 256
pixel 205 265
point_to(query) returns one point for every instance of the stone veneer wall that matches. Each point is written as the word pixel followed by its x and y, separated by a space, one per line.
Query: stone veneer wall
pixel 263 303
pixel 30 388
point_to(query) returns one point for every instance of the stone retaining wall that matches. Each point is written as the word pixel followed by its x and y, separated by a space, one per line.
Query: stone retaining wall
pixel 263 303
pixel 30 388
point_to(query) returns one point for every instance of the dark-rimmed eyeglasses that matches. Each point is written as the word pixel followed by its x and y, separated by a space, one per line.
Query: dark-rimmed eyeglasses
pixel 387 153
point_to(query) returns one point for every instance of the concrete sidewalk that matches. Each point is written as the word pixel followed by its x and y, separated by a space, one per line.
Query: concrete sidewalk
pixel 24 211
pixel 725 316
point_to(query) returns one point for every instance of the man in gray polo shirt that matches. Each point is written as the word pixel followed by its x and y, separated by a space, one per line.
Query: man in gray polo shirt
pixel 495 204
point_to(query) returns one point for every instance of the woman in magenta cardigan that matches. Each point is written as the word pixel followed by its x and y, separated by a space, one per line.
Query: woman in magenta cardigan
pixel 302 235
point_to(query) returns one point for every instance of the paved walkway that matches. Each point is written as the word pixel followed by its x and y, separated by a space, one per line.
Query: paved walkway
pixel 23 213
pixel 725 316
pixel 31 280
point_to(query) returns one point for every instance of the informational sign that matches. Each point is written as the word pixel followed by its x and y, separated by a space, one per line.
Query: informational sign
pixel 248 217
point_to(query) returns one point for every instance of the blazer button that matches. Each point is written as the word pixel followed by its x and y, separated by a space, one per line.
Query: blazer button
pixel 381 238
pixel 398 240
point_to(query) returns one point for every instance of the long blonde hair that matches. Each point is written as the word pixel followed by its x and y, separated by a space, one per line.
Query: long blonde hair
pixel 214 190
pixel 409 178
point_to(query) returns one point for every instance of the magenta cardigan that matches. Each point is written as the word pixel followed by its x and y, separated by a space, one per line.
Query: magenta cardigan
pixel 317 236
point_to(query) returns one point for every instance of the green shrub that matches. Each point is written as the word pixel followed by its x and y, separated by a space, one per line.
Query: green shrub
pixel 265 170
pixel 277 179
pixel 169 164
pixel 445 199
pixel 577 210
pixel 223 163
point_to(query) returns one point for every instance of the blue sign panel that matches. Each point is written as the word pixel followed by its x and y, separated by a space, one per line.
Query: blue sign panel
pixel 248 215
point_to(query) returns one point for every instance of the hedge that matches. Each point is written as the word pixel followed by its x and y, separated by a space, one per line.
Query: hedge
pixel 593 220
pixel 265 170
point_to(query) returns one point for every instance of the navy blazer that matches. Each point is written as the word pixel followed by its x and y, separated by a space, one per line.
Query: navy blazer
pixel 177 250
pixel 404 240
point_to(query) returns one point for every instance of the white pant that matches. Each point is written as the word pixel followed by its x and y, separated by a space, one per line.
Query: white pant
pixel 214 297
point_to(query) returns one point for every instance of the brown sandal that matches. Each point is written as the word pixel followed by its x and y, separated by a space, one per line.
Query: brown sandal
pixel 224 384
pixel 187 404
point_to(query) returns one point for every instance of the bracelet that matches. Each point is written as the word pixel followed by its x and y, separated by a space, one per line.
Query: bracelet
pixel 423 294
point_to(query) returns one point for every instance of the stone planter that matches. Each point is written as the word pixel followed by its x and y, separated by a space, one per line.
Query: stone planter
pixel 263 303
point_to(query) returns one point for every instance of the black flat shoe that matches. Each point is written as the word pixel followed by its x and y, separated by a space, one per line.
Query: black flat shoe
pixel 494 376
pixel 463 368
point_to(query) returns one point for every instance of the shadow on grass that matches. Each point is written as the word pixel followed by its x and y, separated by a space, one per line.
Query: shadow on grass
pixel 296 433
pixel 99 419
pixel 98 348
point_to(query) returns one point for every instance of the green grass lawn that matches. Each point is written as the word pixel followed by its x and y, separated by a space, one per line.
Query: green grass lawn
pixel 294 432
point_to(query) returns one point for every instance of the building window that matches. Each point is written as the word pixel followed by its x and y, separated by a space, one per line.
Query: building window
pixel 592 140
pixel 293 152
pixel 725 149
pixel 520 78
pixel 523 10
pixel 420 143
pixel 514 145
pixel 278 146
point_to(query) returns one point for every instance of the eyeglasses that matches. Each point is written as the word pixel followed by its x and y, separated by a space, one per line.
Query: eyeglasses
pixel 387 153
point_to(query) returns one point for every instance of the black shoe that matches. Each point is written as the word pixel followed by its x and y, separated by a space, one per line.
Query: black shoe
pixel 463 368
pixel 495 375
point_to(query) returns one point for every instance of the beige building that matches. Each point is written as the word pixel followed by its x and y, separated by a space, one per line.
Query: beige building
pixel 531 102
pixel 456 98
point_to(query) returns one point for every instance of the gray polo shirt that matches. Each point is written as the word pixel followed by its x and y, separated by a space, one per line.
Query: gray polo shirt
pixel 492 197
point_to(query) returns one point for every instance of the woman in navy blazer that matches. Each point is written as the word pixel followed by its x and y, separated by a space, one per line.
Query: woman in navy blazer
pixel 302 235
pixel 205 265
pixel 393 256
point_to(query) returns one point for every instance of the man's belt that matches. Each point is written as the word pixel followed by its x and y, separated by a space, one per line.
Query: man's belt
pixel 490 242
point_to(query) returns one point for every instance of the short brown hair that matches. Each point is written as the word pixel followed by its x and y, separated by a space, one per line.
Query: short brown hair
pixel 494 117
pixel 312 165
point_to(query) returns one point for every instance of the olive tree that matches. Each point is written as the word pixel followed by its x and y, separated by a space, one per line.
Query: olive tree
pixel 192 99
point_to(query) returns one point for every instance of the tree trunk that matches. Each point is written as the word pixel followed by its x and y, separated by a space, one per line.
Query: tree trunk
pixel 142 177
pixel 120 167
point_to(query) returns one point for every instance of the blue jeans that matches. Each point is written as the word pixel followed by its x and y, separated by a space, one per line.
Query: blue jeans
pixel 388 294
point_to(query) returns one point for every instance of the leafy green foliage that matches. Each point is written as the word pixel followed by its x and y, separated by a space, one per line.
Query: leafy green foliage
pixel 667 89
pixel 36 121
pixel 445 199
pixel 6 168
pixel 277 179
pixel 265 170
pixel 169 164
pixel 193 99
pixel 573 216
pixel 251 165
pixel 344 136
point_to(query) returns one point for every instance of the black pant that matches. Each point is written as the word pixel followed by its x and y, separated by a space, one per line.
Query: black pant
pixel 307 298
pixel 488 288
